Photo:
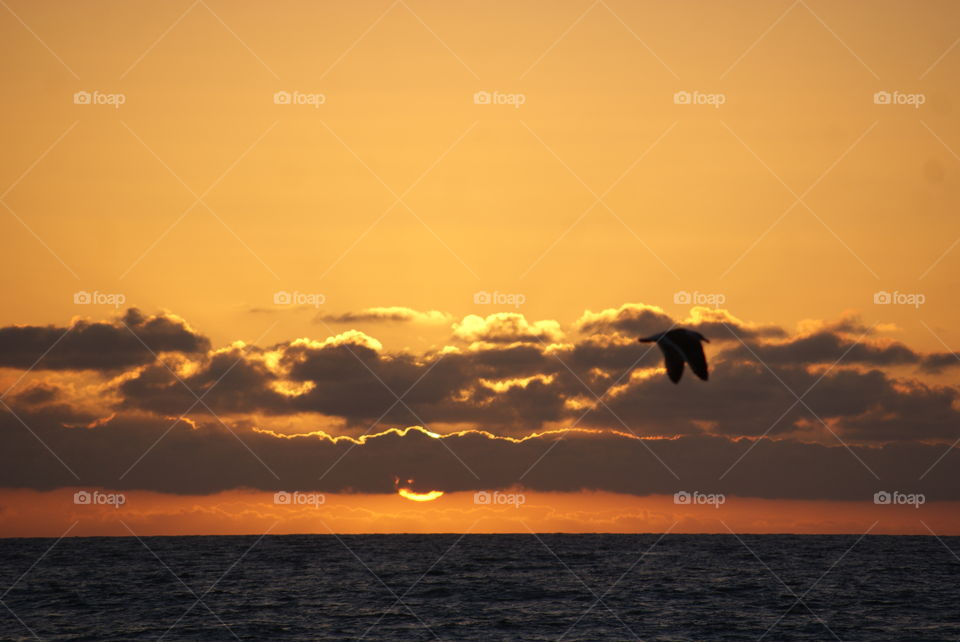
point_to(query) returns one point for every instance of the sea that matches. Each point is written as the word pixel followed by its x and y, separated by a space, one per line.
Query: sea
pixel 482 587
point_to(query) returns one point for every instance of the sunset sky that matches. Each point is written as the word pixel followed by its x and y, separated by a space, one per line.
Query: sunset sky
pixel 344 250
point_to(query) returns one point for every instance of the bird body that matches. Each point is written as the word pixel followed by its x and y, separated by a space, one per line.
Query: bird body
pixel 681 346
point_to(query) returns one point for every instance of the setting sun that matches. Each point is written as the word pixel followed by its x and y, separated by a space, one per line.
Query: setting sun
pixel 420 497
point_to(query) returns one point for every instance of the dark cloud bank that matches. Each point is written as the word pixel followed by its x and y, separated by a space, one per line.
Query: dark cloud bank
pixel 503 375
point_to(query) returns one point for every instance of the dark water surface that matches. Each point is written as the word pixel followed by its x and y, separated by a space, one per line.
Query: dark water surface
pixel 419 587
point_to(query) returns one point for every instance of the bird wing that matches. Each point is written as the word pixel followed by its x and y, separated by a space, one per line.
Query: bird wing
pixel 673 360
pixel 693 351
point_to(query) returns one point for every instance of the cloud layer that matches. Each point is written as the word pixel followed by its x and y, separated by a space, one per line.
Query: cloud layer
pixel 145 402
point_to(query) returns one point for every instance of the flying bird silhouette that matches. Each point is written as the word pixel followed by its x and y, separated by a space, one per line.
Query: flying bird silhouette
pixel 679 346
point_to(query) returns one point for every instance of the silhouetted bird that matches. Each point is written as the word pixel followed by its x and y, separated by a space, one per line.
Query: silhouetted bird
pixel 678 346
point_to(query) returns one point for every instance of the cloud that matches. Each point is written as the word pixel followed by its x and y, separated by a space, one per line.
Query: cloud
pixel 513 376
pixel 131 453
pixel 510 380
pixel 506 327
pixel 827 347
pixel 638 319
pixel 388 314
pixel 84 345
pixel 939 361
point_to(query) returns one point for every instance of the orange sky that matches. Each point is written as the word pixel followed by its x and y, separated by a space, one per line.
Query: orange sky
pixel 50 514
pixel 199 198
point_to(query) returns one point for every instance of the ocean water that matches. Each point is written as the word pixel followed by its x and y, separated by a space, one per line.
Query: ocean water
pixel 489 587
